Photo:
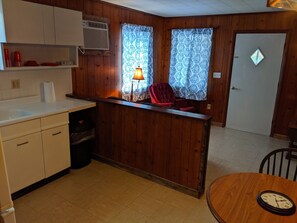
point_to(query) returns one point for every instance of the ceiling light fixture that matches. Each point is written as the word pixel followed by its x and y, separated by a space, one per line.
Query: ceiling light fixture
pixel 283 4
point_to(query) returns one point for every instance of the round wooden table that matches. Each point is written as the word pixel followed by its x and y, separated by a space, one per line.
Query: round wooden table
pixel 232 198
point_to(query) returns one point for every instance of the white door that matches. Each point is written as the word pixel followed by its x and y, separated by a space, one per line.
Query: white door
pixel 253 87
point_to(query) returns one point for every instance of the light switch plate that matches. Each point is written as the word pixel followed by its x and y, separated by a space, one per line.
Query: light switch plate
pixel 217 74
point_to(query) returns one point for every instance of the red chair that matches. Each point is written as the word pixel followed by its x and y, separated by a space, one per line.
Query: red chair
pixel 163 95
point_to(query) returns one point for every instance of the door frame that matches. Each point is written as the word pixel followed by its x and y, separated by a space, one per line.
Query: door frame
pixel 281 75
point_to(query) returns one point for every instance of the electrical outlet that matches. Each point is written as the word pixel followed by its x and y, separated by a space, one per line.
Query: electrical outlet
pixel 15 84
pixel 217 74
pixel 208 107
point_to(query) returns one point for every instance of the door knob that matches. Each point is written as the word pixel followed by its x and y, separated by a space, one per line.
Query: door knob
pixel 234 88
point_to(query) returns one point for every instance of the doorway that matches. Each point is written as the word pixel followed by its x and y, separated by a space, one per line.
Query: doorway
pixel 254 82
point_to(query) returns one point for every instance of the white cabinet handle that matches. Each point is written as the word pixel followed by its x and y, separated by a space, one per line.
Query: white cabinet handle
pixel 21 144
pixel 57 133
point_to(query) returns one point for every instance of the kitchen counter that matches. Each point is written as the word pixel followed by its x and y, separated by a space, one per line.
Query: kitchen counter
pixel 13 112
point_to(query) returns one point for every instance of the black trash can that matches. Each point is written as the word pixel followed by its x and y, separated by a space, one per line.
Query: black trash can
pixel 82 135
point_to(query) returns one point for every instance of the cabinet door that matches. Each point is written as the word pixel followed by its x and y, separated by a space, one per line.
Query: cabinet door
pixel 24 161
pixel 48 25
pixel 68 27
pixel 56 149
pixel 23 22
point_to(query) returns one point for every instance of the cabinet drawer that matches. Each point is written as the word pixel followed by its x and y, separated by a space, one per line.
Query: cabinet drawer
pixel 20 129
pixel 24 161
pixel 54 121
pixel 56 149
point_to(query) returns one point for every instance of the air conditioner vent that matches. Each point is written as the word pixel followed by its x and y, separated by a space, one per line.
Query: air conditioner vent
pixel 98 25
pixel 95 35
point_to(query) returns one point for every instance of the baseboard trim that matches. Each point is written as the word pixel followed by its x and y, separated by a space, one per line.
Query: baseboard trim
pixel 217 124
pixel 39 184
pixel 280 136
pixel 148 176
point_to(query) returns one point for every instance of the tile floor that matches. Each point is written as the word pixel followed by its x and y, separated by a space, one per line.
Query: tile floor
pixel 100 193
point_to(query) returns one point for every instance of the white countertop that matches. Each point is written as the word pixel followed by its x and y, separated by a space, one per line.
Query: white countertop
pixel 16 112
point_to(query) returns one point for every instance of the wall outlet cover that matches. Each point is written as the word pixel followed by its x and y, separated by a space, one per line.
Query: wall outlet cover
pixel 217 75
pixel 15 84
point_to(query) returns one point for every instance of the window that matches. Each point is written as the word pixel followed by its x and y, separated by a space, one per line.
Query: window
pixel 189 62
pixel 137 50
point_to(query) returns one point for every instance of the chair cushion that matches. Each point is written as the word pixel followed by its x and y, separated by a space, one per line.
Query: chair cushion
pixel 161 93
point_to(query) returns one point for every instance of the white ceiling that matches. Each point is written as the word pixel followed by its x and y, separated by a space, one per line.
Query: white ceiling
pixel 176 8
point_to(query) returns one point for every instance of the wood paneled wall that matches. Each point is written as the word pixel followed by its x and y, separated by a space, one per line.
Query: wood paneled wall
pixel 168 144
pixel 99 75
pixel 226 26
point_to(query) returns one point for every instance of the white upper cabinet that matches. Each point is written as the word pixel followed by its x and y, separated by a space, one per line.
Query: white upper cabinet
pixel 48 25
pixel 46 35
pixel 22 22
pixel 30 23
pixel 68 26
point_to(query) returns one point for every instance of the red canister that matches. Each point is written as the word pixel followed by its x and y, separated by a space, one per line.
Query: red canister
pixel 17 59
pixel 7 58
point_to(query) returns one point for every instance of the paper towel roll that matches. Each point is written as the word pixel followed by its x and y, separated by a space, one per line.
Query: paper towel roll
pixel 49 92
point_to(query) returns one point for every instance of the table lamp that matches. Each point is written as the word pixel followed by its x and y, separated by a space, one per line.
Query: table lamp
pixel 138 75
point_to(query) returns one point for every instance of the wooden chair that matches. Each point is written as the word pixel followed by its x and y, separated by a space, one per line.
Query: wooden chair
pixel 280 162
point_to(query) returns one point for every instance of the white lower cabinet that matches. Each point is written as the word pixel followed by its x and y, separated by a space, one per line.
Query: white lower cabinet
pixel 55 139
pixel 36 149
pixel 24 160
pixel 56 149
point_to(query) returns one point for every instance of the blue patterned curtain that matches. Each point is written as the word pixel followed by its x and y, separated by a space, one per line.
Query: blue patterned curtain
pixel 137 50
pixel 189 62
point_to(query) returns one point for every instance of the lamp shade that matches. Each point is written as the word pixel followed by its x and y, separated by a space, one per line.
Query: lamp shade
pixel 283 4
pixel 138 74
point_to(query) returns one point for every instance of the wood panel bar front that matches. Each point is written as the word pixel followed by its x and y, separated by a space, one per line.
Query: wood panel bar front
pixel 165 145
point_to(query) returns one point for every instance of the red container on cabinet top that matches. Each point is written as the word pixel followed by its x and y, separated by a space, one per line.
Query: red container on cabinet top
pixel 7 58
pixel 17 59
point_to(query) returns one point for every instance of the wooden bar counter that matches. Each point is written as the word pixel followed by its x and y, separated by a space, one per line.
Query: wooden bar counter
pixel 165 145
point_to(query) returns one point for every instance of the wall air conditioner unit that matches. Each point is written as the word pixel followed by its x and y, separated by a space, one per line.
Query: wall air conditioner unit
pixel 95 35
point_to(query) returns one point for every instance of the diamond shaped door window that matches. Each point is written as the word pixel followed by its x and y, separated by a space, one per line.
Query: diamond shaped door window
pixel 257 57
